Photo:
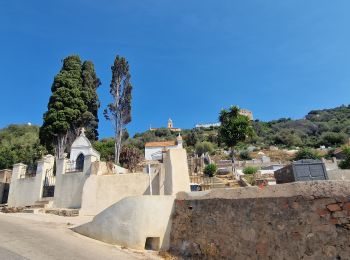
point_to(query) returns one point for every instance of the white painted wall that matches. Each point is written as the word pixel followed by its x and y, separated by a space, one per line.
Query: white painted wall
pixel 27 191
pixel 101 191
pixel 130 221
pixel 155 153
pixel 177 177
pixel 69 190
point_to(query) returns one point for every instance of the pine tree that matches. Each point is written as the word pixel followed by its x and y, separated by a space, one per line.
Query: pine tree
pixel 119 112
pixel 65 108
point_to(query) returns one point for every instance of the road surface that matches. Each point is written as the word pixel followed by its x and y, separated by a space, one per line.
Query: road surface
pixel 22 238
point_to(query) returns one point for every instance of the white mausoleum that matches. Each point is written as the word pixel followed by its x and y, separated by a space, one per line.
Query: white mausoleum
pixel 82 145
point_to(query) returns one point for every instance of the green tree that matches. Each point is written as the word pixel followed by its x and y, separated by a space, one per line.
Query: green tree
pixel 105 147
pixel 306 153
pixel 89 87
pixel 192 138
pixel 119 112
pixel 288 138
pixel 20 143
pixel 65 108
pixel 234 127
pixel 204 147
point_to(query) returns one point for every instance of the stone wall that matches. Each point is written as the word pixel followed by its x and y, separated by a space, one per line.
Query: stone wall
pixel 303 220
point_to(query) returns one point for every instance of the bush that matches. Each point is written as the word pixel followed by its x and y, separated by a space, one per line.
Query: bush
pixel 250 170
pixel 244 155
pixel 210 169
pixel 306 153
pixel 333 139
pixel 345 164
pixel 204 147
pixel 130 157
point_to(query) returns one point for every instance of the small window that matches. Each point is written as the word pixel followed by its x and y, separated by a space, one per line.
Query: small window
pixel 152 243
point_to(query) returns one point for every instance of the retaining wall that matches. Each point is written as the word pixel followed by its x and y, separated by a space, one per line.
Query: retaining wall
pixel 100 192
pixel 303 220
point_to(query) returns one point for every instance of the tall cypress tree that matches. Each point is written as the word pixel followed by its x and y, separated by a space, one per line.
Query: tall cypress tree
pixel 65 108
pixel 90 84
pixel 119 112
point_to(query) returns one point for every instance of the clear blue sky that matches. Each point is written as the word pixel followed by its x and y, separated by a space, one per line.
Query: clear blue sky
pixel 188 58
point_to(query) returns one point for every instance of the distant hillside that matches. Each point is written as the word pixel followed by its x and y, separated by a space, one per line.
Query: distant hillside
pixel 329 127
pixel 19 143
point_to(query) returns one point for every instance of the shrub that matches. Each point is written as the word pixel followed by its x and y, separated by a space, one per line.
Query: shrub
pixel 250 170
pixel 345 164
pixel 306 153
pixel 333 139
pixel 244 155
pixel 130 157
pixel 204 147
pixel 210 169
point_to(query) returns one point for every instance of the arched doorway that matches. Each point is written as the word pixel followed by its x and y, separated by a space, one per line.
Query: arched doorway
pixel 79 163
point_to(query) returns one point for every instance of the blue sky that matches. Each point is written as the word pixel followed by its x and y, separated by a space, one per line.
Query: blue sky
pixel 188 58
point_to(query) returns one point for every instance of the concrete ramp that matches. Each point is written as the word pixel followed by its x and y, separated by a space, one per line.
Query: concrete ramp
pixel 137 222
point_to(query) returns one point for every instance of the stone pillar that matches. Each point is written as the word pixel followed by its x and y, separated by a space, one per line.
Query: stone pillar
pixel 61 166
pixel 18 170
pixel 88 161
pixel 177 177
pixel 45 164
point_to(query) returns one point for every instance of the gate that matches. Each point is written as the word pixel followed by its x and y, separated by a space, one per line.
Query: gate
pixel 5 193
pixel 49 183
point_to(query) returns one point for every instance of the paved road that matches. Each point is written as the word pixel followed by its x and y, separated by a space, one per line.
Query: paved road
pixel 27 239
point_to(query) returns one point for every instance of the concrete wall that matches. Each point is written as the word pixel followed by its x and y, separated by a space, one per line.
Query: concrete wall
pixel 302 220
pixel 177 177
pixel 69 185
pixel 130 221
pixel 339 174
pixel 27 191
pixel 69 190
pixel 102 191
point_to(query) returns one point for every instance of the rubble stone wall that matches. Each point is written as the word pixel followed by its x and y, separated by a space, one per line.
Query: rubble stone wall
pixel 305 220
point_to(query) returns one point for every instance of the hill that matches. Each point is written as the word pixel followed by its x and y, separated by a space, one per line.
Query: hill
pixel 19 143
pixel 328 127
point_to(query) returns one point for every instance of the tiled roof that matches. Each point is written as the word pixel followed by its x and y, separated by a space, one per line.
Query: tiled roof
pixel 160 144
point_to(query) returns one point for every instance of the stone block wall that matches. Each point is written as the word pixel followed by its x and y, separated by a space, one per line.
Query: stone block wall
pixel 309 220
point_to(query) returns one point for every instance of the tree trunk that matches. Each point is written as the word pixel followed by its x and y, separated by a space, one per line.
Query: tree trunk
pixel 118 138
pixel 233 160
pixel 61 145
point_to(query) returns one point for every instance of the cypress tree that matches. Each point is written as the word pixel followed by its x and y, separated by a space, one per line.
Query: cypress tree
pixel 119 112
pixel 65 108
pixel 89 87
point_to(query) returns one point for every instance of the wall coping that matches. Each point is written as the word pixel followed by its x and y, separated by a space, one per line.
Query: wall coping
pixel 308 190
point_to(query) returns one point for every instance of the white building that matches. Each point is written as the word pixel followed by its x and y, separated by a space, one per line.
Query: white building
pixel 154 150
pixel 81 147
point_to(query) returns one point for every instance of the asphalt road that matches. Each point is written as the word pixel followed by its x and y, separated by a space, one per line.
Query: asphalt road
pixel 28 239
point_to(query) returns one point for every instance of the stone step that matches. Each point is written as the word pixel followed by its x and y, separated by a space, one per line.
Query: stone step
pixel 33 210
pixel 63 212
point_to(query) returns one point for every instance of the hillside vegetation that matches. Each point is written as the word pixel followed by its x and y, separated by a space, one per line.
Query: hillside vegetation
pixel 328 127
pixel 19 143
